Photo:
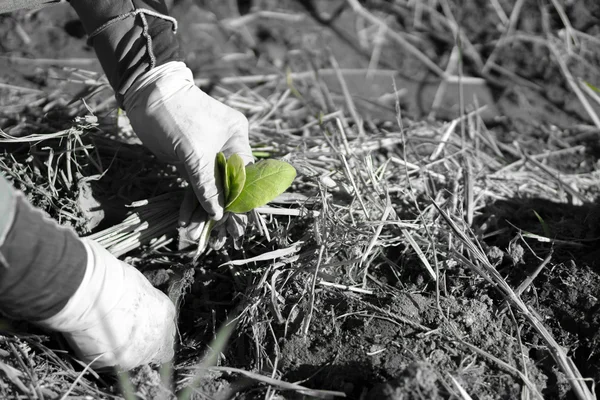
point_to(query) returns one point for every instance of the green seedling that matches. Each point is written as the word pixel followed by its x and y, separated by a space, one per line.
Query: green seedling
pixel 545 227
pixel 263 182
pixel 248 187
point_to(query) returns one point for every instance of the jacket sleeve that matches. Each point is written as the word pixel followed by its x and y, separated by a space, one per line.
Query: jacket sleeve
pixel 130 37
pixel 41 263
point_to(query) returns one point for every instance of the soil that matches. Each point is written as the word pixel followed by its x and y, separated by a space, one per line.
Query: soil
pixel 408 339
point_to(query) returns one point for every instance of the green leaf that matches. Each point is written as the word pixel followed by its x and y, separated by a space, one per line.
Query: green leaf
pixel 222 168
pixel 247 187
pixel 265 180
pixel 594 88
pixel 261 154
pixel 545 228
pixel 236 177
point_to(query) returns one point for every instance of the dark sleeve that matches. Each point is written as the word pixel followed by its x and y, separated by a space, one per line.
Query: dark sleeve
pixel 41 263
pixel 130 37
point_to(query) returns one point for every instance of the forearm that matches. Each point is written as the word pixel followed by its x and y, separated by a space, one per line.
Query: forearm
pixel 130 37
pixel 41 263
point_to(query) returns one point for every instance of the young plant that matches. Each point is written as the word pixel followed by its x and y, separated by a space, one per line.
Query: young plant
pixel 248 187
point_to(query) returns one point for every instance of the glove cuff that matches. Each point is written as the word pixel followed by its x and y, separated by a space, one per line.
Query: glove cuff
pixel 179 76
pixel 129 37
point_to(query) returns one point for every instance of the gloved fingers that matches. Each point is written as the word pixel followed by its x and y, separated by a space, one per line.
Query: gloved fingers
pixel 187 208
pixel 241 149
pixel 205 180
pixel 192 219
pixel 158 317
pixel 238 142
pixel 167 329
pixel 231 224
pixel 222 221
pixel 155 320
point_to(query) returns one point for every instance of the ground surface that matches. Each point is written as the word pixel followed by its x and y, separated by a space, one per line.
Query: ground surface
pixel 342 299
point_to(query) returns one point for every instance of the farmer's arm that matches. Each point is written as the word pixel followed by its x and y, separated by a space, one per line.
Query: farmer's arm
pixel 47 275
pixel 136 45
pixel 106 309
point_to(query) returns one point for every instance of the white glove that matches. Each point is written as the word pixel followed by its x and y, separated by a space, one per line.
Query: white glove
pixel 116 316
pixel 184 126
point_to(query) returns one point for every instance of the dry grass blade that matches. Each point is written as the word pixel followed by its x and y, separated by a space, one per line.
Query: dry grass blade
pixel 301 75
pixel 500 12
pixel 409 237
pixel 345 287
pixel 573 83
pixel 6 138
pixel 508 33
pixel 461 390
pixel 79 377
pixel 290 212
pixel 530 385
pixel 577 197
pixel 570 38
pixel 271 255
pixel 349 102
pixel 319 394
pixel 21 89
pixel 523 286
pixel 66 62
pixel 386 213
pixel 153 221
pixel 590 92
pixel 445 136
pixel 14 376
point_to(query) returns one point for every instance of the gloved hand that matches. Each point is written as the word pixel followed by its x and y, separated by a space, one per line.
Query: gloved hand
pixel 184 126
pixel 116 316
